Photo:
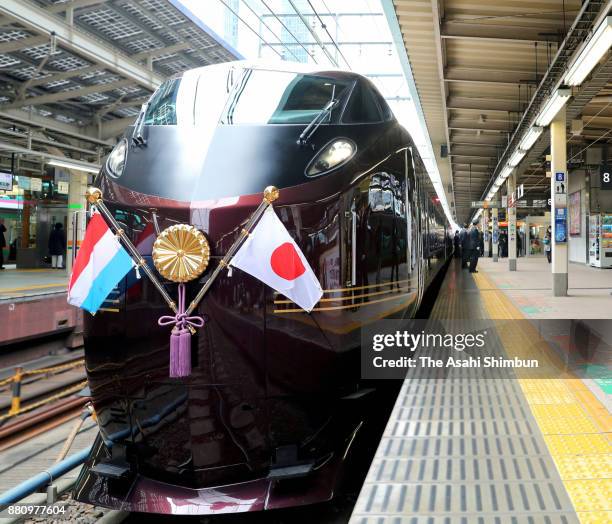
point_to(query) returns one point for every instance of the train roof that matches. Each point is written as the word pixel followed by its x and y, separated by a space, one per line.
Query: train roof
pixel 279 65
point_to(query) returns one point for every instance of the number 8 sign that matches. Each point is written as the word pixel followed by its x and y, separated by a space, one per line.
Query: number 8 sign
pixel 606 177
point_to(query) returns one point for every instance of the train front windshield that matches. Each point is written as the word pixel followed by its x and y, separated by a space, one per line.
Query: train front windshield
pixel 255 97
pixel 234 121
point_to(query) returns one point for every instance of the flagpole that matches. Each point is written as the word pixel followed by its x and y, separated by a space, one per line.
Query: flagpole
pixel 94 197
pixel 271 193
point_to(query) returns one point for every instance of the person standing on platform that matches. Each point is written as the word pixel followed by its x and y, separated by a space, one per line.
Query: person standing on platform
pixel 57 246
pixel 2 242
pixel 463 240
pixel 548 244
pixel 457 244
pixel 474 245
pixel 519 245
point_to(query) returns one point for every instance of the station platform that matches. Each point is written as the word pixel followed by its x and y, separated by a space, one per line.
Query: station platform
pixel 19 283
pixel 484 450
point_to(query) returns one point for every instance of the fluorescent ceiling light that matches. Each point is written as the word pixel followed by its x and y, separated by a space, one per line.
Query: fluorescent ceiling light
pixel 505 173
pixel 553 105
pixel 530 138
pixel 591 53
pixel 516 157
pixel 88 168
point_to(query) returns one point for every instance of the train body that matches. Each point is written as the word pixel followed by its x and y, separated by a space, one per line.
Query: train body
pixel 271 411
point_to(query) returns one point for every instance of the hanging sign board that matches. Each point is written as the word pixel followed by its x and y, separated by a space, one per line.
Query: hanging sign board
pixel 484 204
pixel 24 182
pixel 6 181
pixel 35 184
pixel 62 187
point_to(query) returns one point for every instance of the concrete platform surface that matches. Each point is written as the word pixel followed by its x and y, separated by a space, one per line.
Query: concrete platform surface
pixel 530 288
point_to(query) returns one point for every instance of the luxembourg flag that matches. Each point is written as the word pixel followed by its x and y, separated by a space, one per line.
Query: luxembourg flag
pixel 100 263
pixel 272 256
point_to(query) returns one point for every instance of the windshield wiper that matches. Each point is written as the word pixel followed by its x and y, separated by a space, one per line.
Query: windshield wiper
pixel 137 138
pixel 311 128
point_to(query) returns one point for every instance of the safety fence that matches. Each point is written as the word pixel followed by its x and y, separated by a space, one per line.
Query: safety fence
pixel 16 381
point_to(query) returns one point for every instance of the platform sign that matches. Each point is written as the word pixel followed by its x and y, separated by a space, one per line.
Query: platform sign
pixel 520 191
pixel 560 225
pixel 504 201
pixel 605 177
pixel 560 190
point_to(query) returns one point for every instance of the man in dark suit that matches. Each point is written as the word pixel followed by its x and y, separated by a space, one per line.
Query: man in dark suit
pixel 463 241
pixel 474 245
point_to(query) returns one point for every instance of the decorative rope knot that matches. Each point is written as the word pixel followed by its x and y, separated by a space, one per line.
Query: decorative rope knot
pixel 180 319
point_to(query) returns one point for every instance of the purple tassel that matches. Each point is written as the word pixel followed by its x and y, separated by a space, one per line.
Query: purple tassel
pixel 184 355
pixel 180 338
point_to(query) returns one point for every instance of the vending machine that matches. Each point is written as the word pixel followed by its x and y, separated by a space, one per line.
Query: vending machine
pixel 600 240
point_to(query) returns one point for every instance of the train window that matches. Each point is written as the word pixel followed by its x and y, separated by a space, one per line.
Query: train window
pixel 279 97
pixel 362 107
pixel 384 107
pixel 161 110
pixel 172 103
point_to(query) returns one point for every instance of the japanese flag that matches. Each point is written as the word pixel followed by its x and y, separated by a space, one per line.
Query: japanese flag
pixel 271 255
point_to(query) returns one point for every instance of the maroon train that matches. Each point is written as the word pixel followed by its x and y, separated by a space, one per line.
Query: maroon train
pixel 271 411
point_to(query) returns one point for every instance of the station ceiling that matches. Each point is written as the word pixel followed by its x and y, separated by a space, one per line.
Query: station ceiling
pixel 79 70
pixel 478 65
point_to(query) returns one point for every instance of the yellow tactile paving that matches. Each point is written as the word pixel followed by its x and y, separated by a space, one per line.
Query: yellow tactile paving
pixel 576 467
pixel 575 425
pixel 595 517
pixel 584 445
pixel 590 495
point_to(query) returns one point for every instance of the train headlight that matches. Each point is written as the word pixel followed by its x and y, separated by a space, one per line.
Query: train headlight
pixel 333 155
pixel 116 160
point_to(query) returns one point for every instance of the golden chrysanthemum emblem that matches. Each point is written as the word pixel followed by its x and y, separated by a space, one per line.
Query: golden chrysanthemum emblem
pixel 181 253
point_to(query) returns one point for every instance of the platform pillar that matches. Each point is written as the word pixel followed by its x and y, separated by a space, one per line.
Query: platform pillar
pixel 76 203
pixel 495 233
pixel 511 217
pixel 558 203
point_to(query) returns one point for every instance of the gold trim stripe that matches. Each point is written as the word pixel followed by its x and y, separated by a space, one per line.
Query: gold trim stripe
pixel 350 297
pixel 333 308
pixel 358 288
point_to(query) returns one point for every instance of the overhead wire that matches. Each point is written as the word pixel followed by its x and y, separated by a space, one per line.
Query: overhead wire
pixel 289 31
pixel 314 35
pixel 324 26
pixel 249 26
pixel 270 29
